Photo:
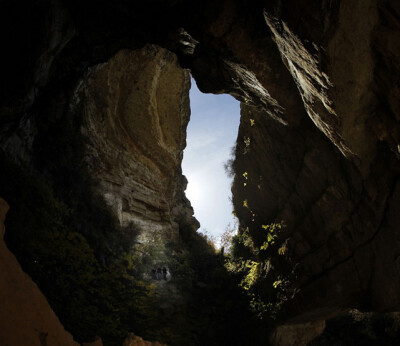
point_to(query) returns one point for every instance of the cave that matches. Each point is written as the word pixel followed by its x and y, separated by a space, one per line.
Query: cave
pixel 93 117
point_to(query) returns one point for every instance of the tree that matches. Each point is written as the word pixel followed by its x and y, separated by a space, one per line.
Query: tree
pixel 226 237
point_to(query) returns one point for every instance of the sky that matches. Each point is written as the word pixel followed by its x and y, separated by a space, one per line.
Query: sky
pixel 211 134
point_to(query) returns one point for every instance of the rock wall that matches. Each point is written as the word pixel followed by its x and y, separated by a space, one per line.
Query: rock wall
pixel 26 317
pixel 136 109
pixel 322 90
pixel 294 176
pixel 336 66
pixel 338 211
pixel 134 340
pixel 296 335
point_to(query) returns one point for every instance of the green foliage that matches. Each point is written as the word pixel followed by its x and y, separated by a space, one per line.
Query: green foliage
pixel 90 270
pixel 64 236
pixel 90 297
pixel 247 142
pixel 261 272
pixel 253 273
pixel 215 311
pixel 270 234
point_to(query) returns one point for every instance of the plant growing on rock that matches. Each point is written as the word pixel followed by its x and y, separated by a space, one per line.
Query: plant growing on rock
pixel 247 142
pixel 262 269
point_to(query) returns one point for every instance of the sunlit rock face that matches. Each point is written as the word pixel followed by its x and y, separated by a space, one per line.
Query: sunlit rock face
pixel 338 64
pixel 136 109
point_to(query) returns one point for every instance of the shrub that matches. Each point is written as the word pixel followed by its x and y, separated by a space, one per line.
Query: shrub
pixel 262 269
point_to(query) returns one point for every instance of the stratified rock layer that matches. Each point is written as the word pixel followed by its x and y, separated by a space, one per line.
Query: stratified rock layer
pixel 136 110
pixel 26 317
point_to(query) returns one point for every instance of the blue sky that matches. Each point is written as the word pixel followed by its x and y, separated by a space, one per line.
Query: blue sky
pixel 212 132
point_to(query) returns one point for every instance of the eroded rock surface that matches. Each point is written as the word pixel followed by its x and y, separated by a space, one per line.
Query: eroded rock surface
pixel 301 181
pixel 136 110
pixel 337 210
pixel 297 335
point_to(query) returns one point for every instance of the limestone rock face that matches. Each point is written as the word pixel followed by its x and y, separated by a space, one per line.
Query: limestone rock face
pixel 26 317
pixel 136 113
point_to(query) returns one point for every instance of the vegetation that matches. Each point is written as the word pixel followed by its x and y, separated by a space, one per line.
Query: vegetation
pixel 262 269
pixel 92 271
pixel 227 237
pixel 66 240
pixel 247 142
pixel 90 296
pixel 218 310
pixel 258 256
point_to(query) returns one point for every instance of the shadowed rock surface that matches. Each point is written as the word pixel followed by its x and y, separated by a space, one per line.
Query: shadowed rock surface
pixel 26 317
pixel 338 212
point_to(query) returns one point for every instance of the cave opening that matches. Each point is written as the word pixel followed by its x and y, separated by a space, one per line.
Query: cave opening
pixel 92 130
pixel 211 139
